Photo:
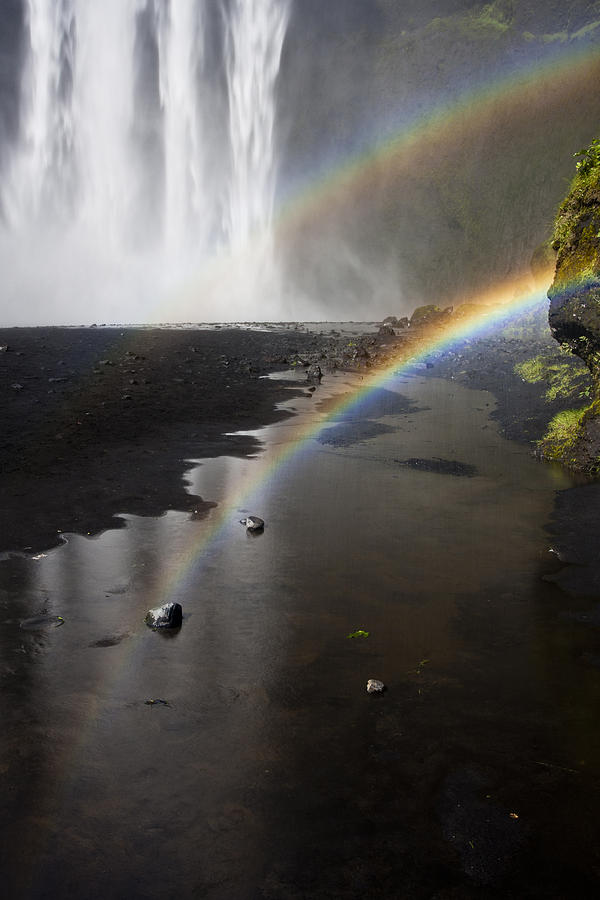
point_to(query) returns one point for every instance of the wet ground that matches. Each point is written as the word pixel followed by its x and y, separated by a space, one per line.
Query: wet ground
pixel 268 771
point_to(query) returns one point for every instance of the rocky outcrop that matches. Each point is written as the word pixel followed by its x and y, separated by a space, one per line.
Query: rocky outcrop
pixel 429 315
pixel 574 314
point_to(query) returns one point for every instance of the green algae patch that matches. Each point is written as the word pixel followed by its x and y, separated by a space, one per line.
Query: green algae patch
pixel 361 633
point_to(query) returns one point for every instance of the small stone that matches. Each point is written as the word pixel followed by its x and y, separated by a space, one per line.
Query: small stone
pixel 374 686
pixel 253 523
pixel 170 615
pixel 314 373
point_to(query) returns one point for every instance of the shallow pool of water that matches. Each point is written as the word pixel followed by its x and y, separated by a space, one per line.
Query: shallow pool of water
pixel 269 771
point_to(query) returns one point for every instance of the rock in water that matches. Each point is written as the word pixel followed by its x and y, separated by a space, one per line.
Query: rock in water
pixel 170 615
pixel 253 523
pixel 314 373
pixel 374 686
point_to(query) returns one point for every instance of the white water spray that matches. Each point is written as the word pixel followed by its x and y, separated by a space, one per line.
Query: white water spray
pixel 116 121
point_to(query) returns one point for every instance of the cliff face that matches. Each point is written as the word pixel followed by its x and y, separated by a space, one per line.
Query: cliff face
pixel 575 293
pixel 468 204
pixel 574 314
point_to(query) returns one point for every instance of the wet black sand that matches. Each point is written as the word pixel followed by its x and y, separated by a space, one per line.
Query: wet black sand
pixel 411 795
pixel 100 421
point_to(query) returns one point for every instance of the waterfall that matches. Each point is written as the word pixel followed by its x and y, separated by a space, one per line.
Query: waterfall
pixel 254 42
pixel 255 39
pixel 147 158
pixel 41 179
pixel 181 41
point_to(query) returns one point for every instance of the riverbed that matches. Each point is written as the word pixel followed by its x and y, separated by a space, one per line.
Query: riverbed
pixel 263 768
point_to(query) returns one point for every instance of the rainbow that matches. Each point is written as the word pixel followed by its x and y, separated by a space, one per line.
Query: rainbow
pixel 521 98
pixel 517 95
pixel 516 297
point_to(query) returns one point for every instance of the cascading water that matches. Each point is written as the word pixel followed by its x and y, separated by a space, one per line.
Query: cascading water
pixel 146 168
pixel 255 38
pixel 181 41
pixel 40 182
pixel 254 41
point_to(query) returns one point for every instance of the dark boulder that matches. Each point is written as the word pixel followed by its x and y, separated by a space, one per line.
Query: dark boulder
pixel 426 315
pixel 169 615
pixel 253 523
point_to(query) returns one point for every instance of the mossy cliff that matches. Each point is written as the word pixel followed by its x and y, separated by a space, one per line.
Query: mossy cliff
pixel 574 314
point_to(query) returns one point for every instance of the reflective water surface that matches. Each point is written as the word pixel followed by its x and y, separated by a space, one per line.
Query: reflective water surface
pixel 269 771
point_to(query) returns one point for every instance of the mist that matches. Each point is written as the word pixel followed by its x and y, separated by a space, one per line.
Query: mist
pixel 278 160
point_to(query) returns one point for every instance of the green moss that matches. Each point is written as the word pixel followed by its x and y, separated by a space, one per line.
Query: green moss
pixel 576 236
pixel 557 37
pixel 568 379
pixel 532 370
pixel 564 431
pixel 491 16
pixel 491 20
pixel 586 30
pixel 561 37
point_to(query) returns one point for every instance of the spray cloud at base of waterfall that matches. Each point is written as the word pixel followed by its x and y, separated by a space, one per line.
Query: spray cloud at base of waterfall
pixel 146 158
